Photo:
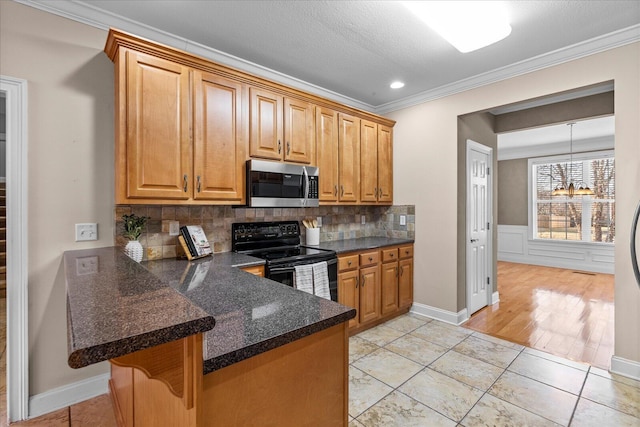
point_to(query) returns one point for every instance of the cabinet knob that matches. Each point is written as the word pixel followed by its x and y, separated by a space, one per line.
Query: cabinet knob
pixel 406 252
pixel 370 259
pixel 348 262
pixel 391 254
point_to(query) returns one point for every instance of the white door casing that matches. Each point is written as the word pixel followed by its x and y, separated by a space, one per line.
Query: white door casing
pixel 17 286
pixel 479 261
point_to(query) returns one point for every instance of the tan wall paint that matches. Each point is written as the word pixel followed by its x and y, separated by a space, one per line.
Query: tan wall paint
pixel 425 139
pixel 70 166
pixel 512 190
pixel 71 123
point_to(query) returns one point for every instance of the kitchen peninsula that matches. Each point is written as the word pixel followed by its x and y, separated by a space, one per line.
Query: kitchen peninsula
pixel 206 344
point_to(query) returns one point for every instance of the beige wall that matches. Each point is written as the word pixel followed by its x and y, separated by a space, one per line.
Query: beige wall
pixel 70 166
pixel 425 139
pixel 512 190
pixel 71 169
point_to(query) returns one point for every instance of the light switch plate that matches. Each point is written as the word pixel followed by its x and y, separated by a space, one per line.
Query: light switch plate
pixel 86 231
pixel 363 219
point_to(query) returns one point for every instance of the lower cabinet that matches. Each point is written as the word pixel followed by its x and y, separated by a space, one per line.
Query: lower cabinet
pixel 378 284
pixel 257 270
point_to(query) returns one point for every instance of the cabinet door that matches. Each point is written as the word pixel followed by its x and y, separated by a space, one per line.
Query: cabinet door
pixel 389 286
pixel 158 144
pixel 348 158
pixel 298 131
pixel 266 124
pixel 368 162
pixel 369 293
pixel 219 153
pixel 327 153
pixel 348 293
pixel 405 282
pixel 385 164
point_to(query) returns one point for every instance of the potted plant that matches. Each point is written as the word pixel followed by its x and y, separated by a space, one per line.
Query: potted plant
pixel 133 226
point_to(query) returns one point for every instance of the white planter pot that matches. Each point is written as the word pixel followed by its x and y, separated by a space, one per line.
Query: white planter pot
pixel 134 250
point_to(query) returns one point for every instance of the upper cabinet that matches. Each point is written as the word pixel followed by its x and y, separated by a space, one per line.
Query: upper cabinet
pixel 376 163
pixel 154 147
pixel 282 128
pixel 185 127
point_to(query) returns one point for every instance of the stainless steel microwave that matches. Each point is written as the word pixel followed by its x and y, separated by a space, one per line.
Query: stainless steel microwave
pixel 276 184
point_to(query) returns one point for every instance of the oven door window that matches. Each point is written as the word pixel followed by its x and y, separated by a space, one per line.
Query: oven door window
pixel 282 275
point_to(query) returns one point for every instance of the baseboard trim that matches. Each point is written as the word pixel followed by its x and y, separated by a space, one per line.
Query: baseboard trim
pixel 495 297
pixel 625 367
pixel 68 395
pixel 439 314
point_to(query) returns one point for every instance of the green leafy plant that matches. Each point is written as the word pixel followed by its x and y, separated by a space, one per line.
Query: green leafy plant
pixel 133 225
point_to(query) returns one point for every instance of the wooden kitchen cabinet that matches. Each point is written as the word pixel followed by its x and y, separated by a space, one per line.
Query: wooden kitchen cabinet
pixel 405 276
pixel 376 163
pixel 219 148
pixel 327 153
pixel 256 270
pixel 153 152
pixel 185 127
pixel 282 128
pixel 348 158
pixel 179 134
pixel 377 283
pixel 389 281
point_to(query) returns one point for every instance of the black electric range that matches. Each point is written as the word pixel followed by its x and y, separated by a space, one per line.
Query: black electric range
pixel 278 243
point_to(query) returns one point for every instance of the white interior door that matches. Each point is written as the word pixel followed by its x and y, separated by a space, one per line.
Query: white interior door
pixel 479 214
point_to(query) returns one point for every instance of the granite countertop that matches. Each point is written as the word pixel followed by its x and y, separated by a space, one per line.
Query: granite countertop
pixel 363 243
pixel 115 307
pixel 252 314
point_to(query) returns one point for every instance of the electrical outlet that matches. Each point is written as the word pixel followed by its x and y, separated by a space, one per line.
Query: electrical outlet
pixel 174 228
pixel 319 219
pixel 403 220
pixel 86 231
pixel 86 265
pixel 363 219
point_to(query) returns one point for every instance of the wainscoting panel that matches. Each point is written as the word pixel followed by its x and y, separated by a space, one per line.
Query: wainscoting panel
pixel 514 245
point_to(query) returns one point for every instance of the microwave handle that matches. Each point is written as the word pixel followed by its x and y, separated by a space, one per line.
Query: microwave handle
pixel 306 184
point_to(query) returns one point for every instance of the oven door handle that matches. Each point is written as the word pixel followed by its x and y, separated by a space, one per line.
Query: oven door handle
pixel 292 268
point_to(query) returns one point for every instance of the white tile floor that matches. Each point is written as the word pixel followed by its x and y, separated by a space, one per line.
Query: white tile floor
pixel 413 371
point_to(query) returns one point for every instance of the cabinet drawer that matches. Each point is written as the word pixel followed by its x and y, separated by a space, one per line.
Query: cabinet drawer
pixel 368 258
pixel 406 251
pixel 347 262
pixel 389 254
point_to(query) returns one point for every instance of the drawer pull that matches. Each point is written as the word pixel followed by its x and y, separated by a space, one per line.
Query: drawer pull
pixel 396 271
pixel 185 183
pixel 199 183
pixel 288 148
pixel 357 280
pixel 279 147
pixel 401 270
pixel 335 190
pixel 363 280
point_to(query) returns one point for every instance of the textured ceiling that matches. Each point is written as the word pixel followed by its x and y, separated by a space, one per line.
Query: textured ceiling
pixel 357 48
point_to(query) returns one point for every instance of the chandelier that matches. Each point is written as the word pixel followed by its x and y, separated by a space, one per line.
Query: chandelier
pixel 570 190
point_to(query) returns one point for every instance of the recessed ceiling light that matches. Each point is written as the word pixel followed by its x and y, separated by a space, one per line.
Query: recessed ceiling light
pixel 467 25
pixel 396 85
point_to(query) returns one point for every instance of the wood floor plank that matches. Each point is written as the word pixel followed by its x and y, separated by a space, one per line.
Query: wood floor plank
pixel 563 312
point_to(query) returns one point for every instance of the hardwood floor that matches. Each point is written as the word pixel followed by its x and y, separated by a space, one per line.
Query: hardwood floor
pixel 563 312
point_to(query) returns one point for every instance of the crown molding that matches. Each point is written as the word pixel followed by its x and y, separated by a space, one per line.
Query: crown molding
pixel 579 50
pixel 92 16
pixel 89 15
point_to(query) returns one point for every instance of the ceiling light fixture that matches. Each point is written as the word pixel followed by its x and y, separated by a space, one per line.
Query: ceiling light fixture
pixel 396 85
pixel 467 25
pixel 570 191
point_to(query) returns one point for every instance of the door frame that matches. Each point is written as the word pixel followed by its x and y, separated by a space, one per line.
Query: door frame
pixel 17 265
pixel 491 288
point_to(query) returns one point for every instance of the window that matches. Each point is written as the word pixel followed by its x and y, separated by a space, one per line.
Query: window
pixel 580 218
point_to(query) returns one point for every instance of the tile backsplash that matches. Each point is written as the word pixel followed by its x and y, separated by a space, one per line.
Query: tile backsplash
pixel 338 223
